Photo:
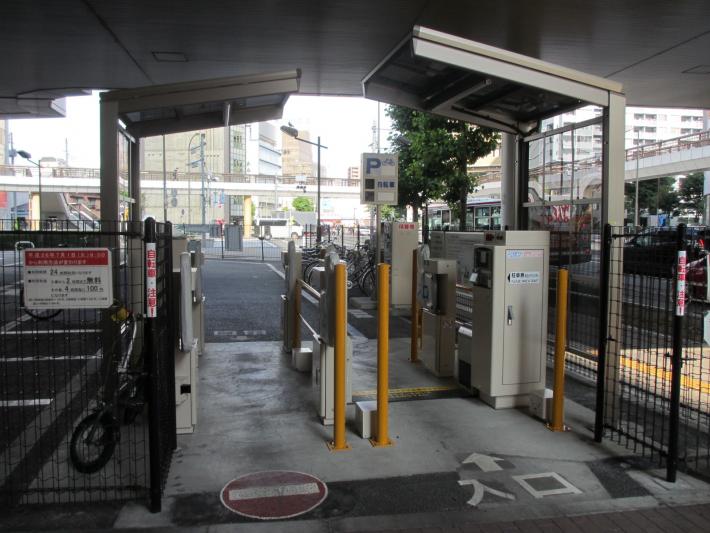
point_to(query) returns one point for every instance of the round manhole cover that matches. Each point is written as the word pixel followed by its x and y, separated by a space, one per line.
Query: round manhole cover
pixel 274 494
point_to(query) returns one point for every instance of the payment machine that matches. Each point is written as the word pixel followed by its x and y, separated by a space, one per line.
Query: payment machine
pixel 399 240
pixel 323 369
pixel 505 349
pixel 439 316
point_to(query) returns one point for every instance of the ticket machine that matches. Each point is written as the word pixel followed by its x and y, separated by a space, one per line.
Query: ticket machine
pixel 323 369
pixel 506 346
pixel 439 316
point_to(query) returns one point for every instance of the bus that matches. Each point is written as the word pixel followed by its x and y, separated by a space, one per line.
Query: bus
pixel 571 227
pixel 481 214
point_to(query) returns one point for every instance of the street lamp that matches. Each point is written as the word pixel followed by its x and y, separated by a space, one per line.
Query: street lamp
pixel 27 155
pixel 293 132
pixel 202 168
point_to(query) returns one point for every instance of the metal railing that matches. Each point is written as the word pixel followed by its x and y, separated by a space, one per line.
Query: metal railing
pixel 684 142
pixel 654 379
pixel 60 367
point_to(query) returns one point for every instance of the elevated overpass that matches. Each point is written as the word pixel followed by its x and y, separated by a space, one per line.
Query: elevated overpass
pixel 680 155
pixel 87 181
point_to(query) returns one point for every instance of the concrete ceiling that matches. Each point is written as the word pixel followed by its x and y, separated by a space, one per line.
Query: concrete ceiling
pixel 657 49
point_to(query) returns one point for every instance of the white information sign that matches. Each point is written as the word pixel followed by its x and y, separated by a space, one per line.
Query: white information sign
pixel 151 285
pixel 681 294
pixel 523 278
pixel 67 278
pixel 379 179
pixel 523 254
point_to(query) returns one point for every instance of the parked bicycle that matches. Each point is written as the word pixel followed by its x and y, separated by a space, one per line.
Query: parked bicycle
pixel 122 399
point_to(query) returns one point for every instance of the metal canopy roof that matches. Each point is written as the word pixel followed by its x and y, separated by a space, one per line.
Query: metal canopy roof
pixel 190 106
pixel 461 79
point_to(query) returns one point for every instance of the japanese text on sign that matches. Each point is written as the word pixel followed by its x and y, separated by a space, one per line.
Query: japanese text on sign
pixel 67 278
pixel 681 290
pixel 151 285
pixel 379 177
pixel 523 278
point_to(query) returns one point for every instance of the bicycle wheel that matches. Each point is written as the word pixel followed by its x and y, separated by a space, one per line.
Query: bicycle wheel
pixel 38 314
pixel 93 442
pixel 367 282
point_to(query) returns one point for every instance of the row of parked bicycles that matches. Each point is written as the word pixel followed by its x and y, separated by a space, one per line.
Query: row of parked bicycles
pixel 360 265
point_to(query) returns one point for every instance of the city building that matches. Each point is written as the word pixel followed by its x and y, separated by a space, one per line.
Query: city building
pixel 218 142
pixel 262 153
pixel 297 156
pixel 353 173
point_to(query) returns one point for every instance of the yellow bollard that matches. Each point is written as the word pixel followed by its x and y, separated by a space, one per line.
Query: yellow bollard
pixel 383 326
pixel 297 316
pixel 558 391
pixel 413 352
pixel 339 443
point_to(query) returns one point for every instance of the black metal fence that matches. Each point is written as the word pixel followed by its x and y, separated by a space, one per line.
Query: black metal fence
pixel 76 423
pixel 654 377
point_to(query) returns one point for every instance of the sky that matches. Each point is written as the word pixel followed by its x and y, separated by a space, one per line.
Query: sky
pixel 344 125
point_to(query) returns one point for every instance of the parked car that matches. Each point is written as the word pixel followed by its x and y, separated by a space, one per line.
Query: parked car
pixel 653 251
pixel 697 279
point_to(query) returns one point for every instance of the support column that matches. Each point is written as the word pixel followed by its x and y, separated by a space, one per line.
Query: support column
pixel 613 161
pixel 706 175
pixel 134 151
pixel 109 160
pixel 508 182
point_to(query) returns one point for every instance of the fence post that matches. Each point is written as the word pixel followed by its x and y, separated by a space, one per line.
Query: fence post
pixel 413 349
pixel 603 333
pixel 558 398
pixel 342 238
pixel 383 309
pixel 151 363
pixel 680 298
pixel 358 236
pixel 262 248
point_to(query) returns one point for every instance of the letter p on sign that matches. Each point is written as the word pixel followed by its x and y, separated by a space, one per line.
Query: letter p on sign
pixel 372 163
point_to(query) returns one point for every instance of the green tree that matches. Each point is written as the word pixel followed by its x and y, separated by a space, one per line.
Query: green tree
pixel 655 196
pixel 434 156
pixel 690 193
pixel 303 203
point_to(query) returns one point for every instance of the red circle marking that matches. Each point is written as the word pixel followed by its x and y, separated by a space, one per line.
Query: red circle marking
pixel 273 494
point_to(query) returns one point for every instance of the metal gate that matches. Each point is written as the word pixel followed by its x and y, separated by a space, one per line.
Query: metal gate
pixel 87 400
pixel 654 363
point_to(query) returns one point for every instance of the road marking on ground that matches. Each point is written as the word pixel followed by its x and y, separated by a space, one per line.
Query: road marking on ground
pixel 273 495
pixel 12 324
pixel 254 332
pixel 272 492
pixel 42 423
pixel 57 332
pixel 225 333
pixel 479 490
pixel 31 358
pixel 560 484
pixel 359 313
pixel 487 463
pixel 411 391
pixel 32 402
